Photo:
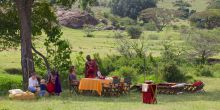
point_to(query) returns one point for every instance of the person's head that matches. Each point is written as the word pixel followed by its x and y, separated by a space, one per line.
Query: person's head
pixel 33 76
pixel 43 81
pixel 88 58
pixel 72 68
pixel 53 72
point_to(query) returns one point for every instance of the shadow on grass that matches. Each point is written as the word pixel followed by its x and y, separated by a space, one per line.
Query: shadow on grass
pixel 207 96
pixel 13 71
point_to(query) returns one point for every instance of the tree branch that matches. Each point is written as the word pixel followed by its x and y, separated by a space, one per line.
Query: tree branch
pixel 44 58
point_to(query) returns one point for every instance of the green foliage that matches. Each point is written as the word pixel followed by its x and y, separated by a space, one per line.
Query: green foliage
pixel 205 71
pixel 150 26
pixel 131 48
pixel 124 72
pixel 58 50
pixel 9 34
pixel 183 8
pixel 126 21
pixel 88 29
pixel 118 35
pixel 79 63
pixel 8 82
pixel 171 73
pixel 214 4
pixel 131 8
pixel 208 19
pixel 135 32
pixel 203 43
pixel 159 16
pixel 172 54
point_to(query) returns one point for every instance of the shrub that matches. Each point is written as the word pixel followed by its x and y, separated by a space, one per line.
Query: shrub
pixel 8 82
pixel 88 29
pixel 150 26
pixel 207 19
pixel 127 21
pixel 172 73
pixel 175 27
pixel 126 71
pixel 118 35
pixel 134 32
pixel 205 71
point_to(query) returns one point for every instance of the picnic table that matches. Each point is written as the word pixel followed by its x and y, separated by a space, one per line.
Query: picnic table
pixel 93 84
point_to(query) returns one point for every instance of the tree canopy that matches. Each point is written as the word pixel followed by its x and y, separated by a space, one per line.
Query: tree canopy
pixel 131 8
pixel 208 19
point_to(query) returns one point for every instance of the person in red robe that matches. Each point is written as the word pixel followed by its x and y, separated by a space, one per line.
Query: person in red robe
pixel 91 67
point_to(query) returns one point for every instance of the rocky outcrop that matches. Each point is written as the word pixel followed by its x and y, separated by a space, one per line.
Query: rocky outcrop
pixel 75 18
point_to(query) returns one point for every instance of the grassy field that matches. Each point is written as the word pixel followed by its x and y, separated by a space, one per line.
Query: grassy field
pixel 200 101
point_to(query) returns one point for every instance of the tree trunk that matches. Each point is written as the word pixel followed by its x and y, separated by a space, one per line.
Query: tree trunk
pixel 24 13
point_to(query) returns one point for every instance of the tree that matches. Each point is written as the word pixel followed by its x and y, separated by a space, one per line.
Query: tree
pixel 207 19
pixel 161 17
pixel 183 8
pixel 214 4
pixel 135 32
pixel 131 8
pixel 131 48
pixel 21 10
pixel 203 43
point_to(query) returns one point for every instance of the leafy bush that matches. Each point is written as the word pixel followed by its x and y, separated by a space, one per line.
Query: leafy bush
pixel 126 71
pixel 171 73
pixel 208 19
pixel 134 32
pixel 118 35
pixel 8 82
pixel 88 29
pixel 127 21
pixel 150 26
pixel 175 27
pixel 205 71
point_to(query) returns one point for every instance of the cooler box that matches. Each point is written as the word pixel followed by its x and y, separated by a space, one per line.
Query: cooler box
pixel 149 93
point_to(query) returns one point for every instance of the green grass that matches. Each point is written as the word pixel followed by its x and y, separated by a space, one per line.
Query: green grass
pixel 201 101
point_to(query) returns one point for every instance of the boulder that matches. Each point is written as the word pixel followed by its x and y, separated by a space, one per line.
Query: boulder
pixel 75 18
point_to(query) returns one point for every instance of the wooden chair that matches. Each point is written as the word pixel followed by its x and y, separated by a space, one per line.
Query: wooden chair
pixel 127 85
pixel 111 89
pixel 74 86
pixel 116 85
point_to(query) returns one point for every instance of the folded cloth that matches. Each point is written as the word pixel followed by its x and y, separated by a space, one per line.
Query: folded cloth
pixel 144 87
pixel 179 85
pixel 16 91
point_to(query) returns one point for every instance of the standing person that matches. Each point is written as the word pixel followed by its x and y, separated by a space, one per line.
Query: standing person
pixel 91 67
pixel 58 88
pixel 33 83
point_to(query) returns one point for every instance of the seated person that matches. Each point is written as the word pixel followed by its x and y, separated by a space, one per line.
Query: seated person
pixel 54 84
pixel 33 83
pixel 72 76
pixel 43 88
